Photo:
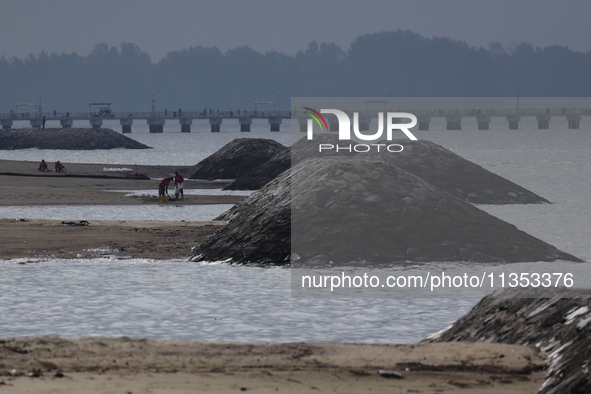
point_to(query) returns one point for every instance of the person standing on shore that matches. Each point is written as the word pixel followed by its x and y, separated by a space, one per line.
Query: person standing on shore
pixel 178 186
pixel 163 188
pixel 43 120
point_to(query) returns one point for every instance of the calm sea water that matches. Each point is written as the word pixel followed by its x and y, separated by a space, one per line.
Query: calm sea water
pixel 181 300
pixel 170 148
pixel 174 299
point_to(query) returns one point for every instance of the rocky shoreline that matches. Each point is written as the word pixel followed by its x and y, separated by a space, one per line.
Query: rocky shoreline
pixel 555 320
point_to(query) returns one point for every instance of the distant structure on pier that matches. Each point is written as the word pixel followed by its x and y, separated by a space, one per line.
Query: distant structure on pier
pixel 98 112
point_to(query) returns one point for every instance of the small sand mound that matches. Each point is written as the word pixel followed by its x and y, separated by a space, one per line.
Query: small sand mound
pixel 237 158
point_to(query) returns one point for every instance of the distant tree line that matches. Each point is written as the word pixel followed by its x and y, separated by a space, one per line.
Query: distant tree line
pixel 400 63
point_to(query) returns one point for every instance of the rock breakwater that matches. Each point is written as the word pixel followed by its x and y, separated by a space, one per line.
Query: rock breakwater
pixel 555 320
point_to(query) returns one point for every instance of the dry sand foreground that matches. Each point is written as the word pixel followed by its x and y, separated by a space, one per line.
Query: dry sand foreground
pixel 99 365
pixel 137 239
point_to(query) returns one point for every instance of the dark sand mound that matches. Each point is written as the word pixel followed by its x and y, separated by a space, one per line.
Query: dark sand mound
pixel 348 210
pixel 263 174
pixel 68 138
pixel 427 160
pixel 269 170
pixel 555 320
pixel 237 158
pixel 456 175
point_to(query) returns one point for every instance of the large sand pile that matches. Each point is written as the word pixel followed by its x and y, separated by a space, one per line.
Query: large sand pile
pixel 343 210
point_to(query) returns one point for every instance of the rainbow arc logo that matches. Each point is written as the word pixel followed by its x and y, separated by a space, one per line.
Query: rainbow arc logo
pixel 344 123
pixel 316 117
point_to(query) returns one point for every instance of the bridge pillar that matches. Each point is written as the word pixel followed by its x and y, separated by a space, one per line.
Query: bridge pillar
pixel 483 122
pixel 156 125
pixel 126 125
pixel 303 122
pixel 216 124
pixel 363 122
pixel 543 122
pixel 275 122
pixel 6 124
pixel 185 124
pixel 454 122
pixel 573 121
pixel 96 123
pixel 66 122
pixel 513 121
pixel 245 123
pixel 423 122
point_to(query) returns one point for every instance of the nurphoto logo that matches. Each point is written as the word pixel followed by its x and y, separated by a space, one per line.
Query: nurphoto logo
pixel 344 127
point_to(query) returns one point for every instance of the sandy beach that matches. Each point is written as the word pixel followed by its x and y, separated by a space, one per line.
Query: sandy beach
pixel 124 365
pixel 118 238
pixel 102 365
pixel 142 239
pixel 88 184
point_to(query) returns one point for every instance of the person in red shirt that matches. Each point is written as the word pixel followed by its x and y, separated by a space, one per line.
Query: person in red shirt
pixel 178 185
pixel 59 167
pixel 43 166
pixel 163 188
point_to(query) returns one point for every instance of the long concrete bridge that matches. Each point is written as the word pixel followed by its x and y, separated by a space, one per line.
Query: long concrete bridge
pixel 155 119
pixel 571 116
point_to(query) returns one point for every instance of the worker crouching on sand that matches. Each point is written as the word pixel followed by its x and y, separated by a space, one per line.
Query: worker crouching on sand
pixel 178 185
pixel 59 167
pixel 43 166
pixel 163 188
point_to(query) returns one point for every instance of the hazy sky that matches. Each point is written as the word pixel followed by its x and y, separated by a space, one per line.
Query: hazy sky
pixel 29 26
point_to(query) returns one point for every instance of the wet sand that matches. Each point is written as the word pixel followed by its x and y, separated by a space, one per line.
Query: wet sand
pixel 100 365
pixel 27 186
pixel 39 238
pixel 118 238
